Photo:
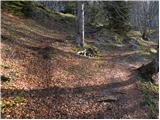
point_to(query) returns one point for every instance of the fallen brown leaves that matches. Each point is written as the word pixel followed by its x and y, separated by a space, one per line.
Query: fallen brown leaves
pixel 58 84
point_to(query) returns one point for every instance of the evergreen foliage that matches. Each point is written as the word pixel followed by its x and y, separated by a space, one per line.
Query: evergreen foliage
pixel 70 7
pixel 117 13
pixel 25 8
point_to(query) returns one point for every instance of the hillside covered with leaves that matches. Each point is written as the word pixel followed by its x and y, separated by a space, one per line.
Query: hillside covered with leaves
pixel 43 77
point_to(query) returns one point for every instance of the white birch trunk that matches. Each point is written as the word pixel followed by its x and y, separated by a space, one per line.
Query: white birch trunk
pixel 80 24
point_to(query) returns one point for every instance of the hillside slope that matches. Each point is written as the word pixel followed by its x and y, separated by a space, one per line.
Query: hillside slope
pixel 48 80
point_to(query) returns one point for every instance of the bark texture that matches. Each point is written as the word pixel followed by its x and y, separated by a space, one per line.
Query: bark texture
pixel 80 24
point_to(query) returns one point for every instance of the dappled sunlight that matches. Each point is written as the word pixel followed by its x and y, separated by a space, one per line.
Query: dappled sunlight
pixel 48 79
pixel 81 98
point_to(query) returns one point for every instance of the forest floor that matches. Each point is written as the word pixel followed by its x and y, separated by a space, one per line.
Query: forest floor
pixel 46 79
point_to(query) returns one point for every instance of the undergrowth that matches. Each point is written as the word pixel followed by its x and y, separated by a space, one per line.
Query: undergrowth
pixel 19 8
pixel 12 101
pixel 150 94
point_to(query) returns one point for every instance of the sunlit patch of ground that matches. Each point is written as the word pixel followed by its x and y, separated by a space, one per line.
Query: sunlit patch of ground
pixel 56 83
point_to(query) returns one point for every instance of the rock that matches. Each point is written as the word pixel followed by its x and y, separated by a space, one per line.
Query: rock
pixel 88 52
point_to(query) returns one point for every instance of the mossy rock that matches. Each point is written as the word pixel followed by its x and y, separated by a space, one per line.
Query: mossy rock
pixel 152 50
pixel 96 50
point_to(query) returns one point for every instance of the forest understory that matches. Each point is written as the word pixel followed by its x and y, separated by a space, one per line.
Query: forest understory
pixel 45 78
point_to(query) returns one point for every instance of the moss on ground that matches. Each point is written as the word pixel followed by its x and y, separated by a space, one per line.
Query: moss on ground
pixel 13 101
pixel 5 66
pixel 150 94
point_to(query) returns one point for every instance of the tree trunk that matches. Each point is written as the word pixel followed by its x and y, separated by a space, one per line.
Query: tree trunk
pixel 144 36
pixel 150 69
pixel 80 24
pixel 145 25
pixel 145 32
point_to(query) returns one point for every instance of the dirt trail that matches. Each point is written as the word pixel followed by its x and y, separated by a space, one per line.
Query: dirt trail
pixel 56 83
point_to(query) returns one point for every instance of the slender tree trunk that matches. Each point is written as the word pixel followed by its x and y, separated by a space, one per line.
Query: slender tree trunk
pixel 80 23
pixel 145 20
pixel 145 31
pixel 144 35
